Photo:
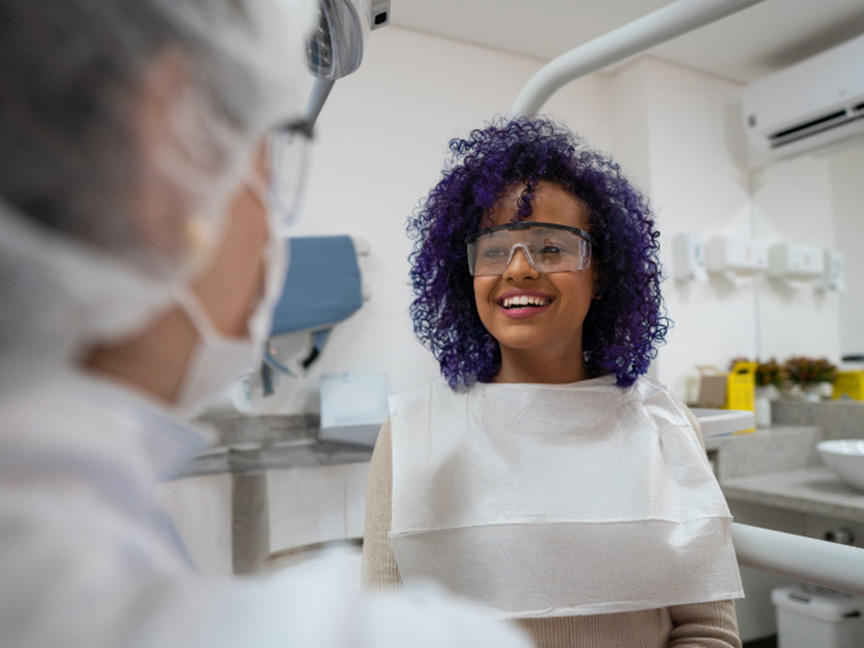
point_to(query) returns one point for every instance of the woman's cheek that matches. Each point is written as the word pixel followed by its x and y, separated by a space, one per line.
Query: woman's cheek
pixel 483 291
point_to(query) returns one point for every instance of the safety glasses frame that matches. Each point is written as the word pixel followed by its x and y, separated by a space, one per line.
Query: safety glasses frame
pixel 471 239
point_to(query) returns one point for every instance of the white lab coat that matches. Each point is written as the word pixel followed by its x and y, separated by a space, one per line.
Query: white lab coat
pixel 89 558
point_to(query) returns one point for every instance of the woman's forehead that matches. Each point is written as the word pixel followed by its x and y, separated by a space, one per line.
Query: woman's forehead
pixel 549 203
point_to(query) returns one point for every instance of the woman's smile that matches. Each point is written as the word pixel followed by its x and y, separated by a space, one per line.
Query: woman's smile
pixel 520 304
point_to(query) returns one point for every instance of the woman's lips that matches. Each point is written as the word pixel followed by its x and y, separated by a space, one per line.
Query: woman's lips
pixel 519 304
pixel 522 313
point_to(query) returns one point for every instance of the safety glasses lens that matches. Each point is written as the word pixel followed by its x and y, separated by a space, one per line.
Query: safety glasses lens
pixel 548 250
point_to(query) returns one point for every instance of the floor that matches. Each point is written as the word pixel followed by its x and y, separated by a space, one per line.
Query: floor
pixel 766 642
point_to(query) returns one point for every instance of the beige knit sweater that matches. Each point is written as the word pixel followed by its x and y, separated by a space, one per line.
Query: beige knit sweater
pixel 704 625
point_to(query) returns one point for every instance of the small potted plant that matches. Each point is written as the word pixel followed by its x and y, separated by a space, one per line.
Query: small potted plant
pixel 770 378
pixel 809 375
pixel 771 375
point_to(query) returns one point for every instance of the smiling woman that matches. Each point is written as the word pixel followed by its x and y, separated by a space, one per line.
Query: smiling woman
pixel 545 476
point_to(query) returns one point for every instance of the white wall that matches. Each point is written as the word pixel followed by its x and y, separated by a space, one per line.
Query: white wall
pixel 678 131
pixel 847 170
pixel 793 203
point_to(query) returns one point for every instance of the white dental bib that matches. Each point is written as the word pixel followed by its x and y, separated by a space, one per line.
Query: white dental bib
pixel 558 500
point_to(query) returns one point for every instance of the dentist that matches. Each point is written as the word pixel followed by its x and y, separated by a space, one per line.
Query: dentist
pixel 138 268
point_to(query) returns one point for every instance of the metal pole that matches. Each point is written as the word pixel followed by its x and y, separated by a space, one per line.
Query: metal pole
pixel 823 563
pixel 250 522
pixel 317 96
pixel 655 28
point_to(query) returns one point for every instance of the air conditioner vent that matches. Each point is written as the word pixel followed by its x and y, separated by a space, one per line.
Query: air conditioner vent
pixel 806 126
pixel 820 126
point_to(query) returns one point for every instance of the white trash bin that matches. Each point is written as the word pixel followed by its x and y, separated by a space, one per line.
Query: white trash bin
pixel 815 617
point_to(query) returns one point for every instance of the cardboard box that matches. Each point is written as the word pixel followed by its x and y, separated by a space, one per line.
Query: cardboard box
pixel 712 388
pixel 735 390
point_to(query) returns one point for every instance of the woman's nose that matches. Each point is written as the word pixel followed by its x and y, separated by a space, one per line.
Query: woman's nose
pixel 520 266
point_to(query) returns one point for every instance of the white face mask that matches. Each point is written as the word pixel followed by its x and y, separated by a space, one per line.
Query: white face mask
pixel 218 359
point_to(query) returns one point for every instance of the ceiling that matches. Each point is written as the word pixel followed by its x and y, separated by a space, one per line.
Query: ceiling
pixel 742 47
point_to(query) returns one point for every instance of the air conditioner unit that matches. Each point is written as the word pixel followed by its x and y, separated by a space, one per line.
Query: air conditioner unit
pixel 808 105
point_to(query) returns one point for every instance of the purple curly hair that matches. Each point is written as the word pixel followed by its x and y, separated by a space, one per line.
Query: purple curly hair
pixel 622 330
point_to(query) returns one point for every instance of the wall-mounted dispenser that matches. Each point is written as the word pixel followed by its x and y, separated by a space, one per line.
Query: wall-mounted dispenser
pixel 833 279
pixel 795 265
pixel 738 260
pixel 689 257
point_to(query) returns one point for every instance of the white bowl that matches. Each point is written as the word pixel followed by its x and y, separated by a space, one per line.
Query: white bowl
pixel 846 458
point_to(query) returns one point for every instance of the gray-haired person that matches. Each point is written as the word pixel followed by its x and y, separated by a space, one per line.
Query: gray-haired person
pixel 137 273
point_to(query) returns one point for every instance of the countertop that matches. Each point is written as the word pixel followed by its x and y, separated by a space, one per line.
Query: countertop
pixel 815 489
pixel 255 444
pixel 718 423
pixel 780 467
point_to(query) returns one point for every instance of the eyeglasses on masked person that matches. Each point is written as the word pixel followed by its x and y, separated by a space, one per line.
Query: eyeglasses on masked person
pixel 289 147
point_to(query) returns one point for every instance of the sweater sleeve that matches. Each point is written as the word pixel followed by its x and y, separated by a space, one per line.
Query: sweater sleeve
pixel 380 571
pixel 704 625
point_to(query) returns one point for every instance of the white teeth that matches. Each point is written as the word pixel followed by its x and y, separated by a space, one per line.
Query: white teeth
pixel 525 300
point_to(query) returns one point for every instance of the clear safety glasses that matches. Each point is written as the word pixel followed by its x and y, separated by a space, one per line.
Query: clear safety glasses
pixel 548 247
pixel 289 148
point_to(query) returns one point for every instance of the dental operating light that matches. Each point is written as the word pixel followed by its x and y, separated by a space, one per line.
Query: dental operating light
pixel 335 47
pixel 664 24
